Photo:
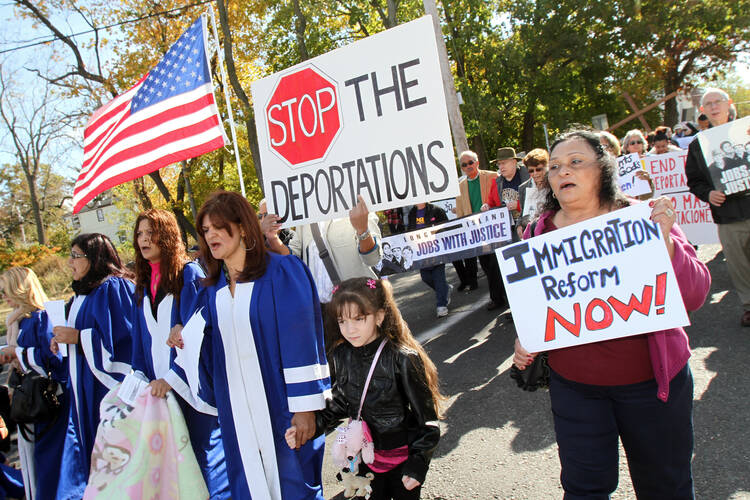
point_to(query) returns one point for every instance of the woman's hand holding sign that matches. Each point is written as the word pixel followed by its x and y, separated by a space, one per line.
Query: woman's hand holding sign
pixel 521 357
pixel 663 214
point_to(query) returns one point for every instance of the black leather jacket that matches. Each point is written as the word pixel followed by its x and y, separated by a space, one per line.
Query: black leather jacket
pixel 398 409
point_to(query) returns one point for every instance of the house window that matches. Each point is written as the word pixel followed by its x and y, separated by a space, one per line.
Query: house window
pixel 76 223
pixel 100 215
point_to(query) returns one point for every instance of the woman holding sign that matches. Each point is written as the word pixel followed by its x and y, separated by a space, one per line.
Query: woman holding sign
pixel 638 389
pixel 166 291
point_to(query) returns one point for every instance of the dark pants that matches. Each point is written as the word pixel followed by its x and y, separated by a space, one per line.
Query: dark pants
pixel 388 485
pixel 492 270
pixel 434 277
pixel 467 271
pixel 657 437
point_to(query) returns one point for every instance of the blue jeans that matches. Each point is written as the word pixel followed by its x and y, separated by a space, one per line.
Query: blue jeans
pixel 657 437
pixel 434 277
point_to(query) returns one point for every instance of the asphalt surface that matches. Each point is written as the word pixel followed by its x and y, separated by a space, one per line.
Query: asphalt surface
pixel 498 441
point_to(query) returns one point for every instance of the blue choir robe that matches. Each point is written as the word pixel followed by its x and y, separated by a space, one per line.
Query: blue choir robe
pixel 40 458
pixel 267 362
pixel 153 359
pixel 96 364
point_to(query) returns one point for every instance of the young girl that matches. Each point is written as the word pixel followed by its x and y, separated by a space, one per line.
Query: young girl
pixel 166 289
pixel 40 451
pixel 401 403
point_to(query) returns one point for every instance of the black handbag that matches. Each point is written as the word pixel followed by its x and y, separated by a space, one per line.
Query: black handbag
pixel 34 398
pixel 535 376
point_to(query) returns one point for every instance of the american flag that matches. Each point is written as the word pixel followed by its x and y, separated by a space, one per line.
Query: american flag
pixel 170 115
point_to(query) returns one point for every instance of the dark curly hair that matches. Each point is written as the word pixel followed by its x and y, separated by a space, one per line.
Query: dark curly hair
pixel 609 188
pixel 369 300
pixel 104 261
pixel 166 234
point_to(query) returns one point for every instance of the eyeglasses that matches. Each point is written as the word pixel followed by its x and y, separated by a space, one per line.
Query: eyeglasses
pixel 710 104
pixel 76 255
pixel 467 164
pixel 534 170
pixel 633 143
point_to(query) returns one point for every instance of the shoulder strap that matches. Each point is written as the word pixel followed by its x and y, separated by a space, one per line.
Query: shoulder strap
pixel 369 376
pixel 500 182
pixel 324 255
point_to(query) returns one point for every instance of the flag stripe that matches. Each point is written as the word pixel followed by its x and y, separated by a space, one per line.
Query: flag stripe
pixel 97 132
pixel 142 147
pixel 81 198
pixel 129 134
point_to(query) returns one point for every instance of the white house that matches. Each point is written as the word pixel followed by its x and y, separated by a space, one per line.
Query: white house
pixel 100 215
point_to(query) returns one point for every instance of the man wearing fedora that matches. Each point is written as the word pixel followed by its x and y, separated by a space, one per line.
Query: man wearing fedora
pixel 473 194
pixel 504 190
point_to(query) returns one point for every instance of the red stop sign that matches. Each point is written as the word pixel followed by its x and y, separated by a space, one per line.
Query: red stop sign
pixel 303 116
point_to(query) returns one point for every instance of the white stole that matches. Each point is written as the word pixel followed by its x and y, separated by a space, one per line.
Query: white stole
pixel 250 414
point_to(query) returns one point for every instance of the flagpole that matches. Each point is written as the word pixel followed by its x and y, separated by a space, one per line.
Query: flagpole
pixel 226 96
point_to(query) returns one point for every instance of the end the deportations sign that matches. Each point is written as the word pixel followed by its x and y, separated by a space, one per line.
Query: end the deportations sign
pixel 601 279
pixel 367 119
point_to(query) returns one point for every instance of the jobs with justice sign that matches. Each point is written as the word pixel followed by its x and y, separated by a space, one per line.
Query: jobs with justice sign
pixel 605 278
pixel 367 119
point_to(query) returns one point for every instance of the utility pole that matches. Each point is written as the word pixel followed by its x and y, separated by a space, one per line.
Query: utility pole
pixel 449 86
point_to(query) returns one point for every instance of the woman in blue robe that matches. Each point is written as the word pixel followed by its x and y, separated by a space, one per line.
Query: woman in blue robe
pixel 166 289
pixel 98 345
pixel 40 445
pixel 268 367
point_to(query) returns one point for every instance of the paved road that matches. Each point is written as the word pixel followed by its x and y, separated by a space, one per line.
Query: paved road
pixel 498 441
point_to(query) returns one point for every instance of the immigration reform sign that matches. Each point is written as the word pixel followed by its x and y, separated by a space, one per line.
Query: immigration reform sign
pixel 367 119
pixel 601 279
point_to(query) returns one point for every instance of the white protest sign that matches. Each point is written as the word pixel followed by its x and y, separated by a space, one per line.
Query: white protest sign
pixel 534 198
pixel 55 310
pixel 601 279
pixel 694 218
pixel 725 149
pixel 442 243
pixel 693 215
pixel 668 172
pixel 448 205
pixel 627 166
pixel 367 119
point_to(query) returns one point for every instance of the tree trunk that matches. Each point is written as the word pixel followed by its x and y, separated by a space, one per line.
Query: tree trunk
pixel 252 135
pixel 180 203
pixel 189 189
pixel 300 24
pixel 527 130
pixel 392 13
pixel 139 188
pixel 181 219
pixel 671 83
pixel 477 145
pixel 40 235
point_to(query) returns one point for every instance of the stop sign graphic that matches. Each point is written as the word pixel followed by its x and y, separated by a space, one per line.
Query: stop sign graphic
pixel 303 116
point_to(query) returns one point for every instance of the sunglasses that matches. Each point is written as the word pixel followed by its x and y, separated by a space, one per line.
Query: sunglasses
pixel 632 143
pixel 467 164
pixel 534 170
pixel 76 255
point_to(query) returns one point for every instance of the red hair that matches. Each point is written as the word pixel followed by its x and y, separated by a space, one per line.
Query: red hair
pixel 166 234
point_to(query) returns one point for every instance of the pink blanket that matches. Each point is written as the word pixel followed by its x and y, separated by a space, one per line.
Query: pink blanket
pixel 143 452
